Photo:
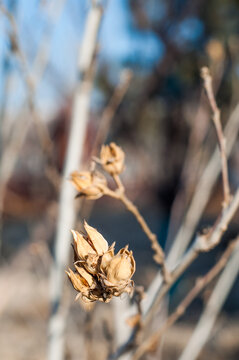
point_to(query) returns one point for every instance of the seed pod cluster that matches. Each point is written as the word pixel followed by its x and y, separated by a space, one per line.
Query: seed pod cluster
pixel 99 273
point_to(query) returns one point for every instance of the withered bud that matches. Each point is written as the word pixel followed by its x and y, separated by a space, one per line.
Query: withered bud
pixel 100 274
pixel 112 158
pixel 92 243
pixel 89 184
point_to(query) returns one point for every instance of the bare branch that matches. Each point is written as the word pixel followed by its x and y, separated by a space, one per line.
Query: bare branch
pixel 111 108
pixel 200 284
pixel 221 139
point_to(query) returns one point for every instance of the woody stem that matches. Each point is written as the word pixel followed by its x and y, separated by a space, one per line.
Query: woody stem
pixel 120 195
pixel 159 254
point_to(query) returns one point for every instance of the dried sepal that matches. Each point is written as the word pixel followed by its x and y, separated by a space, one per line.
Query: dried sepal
pixel 87 278
pixel 98 241
pixel 89 184
pixel 112 158
pixel 78 281
pixel 81 245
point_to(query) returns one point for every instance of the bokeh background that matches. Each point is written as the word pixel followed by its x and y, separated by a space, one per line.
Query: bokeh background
pixel 163 125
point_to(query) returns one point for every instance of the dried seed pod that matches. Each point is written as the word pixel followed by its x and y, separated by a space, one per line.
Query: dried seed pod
pixel 121 267
pixel 112 158
pixel 89 184
pixel 100 274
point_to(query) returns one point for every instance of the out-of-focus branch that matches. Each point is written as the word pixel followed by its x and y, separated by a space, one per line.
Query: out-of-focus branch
pixel 221 139
pixel 43 52
pixel 67 214
pixel 12 150
pixel 42 131
pixel 207 320
pixel 200 284
pixel 106 120
pixel 110 110
pixel 202 243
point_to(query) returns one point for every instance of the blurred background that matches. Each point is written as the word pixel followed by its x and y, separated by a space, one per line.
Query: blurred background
pixel 148 57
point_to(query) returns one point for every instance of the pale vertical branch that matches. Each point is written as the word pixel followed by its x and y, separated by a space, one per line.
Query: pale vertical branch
pixel 67 216
pixel 208 318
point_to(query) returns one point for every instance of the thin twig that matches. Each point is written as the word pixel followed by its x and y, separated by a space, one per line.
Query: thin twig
pixel 217 123
pixel 111 109
pixel 42 131
pixel 200 284
pixel 120 195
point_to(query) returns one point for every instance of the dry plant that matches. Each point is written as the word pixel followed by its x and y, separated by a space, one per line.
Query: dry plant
pixel 99 274
pixel 95 279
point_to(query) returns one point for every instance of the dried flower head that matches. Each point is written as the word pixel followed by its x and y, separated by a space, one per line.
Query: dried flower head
pixel 99 274
pixel 112 158
pixel 89 184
